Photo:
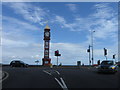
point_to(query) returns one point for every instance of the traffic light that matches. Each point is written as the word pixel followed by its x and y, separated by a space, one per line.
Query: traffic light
pixel 105 51
pixel 98 62
pixel 114 56
pixel 56 53
pixel 88 50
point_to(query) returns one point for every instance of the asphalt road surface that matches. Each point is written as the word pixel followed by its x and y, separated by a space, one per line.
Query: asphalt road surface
pixel 60 78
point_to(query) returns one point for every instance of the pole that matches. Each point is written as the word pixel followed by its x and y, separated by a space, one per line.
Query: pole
pixel 115 61
pixel 92 45
pixel 114 57
pixel 106 57
pixel 89 56
pixel 57 60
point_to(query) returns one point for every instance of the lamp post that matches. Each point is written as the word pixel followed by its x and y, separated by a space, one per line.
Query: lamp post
pixel 92 46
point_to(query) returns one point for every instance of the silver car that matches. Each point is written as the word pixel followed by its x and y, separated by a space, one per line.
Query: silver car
pixel 107 66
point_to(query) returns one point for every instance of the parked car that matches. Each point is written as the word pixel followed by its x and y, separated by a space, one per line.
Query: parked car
pixel 107 66
pixel 118 64
pixel 18 63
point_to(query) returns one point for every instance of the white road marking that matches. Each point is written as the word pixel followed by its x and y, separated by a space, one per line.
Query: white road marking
pixel 63 85
pixel 59 82
pixel 46 72
pixel 7 75
pixel 58 72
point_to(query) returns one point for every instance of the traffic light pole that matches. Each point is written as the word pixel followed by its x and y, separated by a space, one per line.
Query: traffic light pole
pixel 57 61
pixel 89 56
pixel 106 57
pixel 114 58
pixel 105 53
pixel 57 54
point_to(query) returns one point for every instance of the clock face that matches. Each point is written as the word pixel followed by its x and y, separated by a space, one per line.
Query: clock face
pixel 46 51
pixel 46 43
pixel 47 34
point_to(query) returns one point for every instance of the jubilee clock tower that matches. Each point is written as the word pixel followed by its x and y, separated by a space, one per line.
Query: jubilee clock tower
pixel 46 60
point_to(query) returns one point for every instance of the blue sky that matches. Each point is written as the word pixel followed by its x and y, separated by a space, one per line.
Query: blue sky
pixel 23 26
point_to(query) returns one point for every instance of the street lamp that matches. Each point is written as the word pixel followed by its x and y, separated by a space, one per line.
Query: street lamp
pixel 92 46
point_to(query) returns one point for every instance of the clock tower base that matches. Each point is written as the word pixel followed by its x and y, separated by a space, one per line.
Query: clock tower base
pixel 46 61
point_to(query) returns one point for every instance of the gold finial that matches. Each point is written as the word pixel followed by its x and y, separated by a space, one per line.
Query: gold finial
pixel 47 27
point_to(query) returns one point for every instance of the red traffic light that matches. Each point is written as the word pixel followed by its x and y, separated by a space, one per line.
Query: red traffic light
pixel 57 53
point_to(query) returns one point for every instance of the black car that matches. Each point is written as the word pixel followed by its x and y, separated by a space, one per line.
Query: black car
pixel 118 64
pixel 18 63
pixel 107 66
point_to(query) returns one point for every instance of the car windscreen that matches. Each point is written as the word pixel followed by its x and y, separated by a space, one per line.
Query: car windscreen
pixel 17 61
pixel 107 63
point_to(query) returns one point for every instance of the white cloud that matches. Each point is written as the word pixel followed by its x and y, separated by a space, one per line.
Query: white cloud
pixel 27 52
pixel 72 7
pixel 12 43
pixel 16 43
pixel 15 30
pixel 102 10
pixel 106 29
pixel 17 24
pixel 104 21
pixel 60 19
pixel 31 13
pixel 79 24
pixel 70 53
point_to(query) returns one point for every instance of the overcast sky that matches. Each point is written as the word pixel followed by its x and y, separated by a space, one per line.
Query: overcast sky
pixel 71 23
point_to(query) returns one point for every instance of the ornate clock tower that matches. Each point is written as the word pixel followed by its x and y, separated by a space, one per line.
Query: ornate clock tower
pixel 46 60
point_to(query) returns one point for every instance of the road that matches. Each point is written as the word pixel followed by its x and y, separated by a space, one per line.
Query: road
pixel 64 77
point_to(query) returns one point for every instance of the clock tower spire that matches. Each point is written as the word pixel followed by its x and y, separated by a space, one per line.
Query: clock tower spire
pixel 46 60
